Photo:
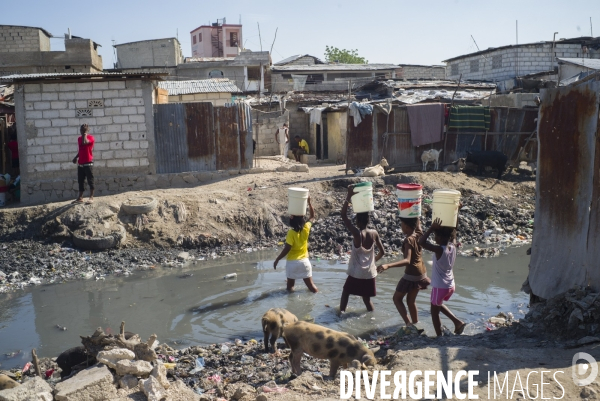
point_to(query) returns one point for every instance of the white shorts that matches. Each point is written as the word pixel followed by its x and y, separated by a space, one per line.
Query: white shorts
pixel 298 269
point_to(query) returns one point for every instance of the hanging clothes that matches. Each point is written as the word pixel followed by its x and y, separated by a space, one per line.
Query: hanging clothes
pixel 359 110
pixel 473 118
pixel 315 115
pixel 426 123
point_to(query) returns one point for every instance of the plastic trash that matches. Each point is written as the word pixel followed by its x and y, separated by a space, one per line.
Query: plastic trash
pixel 171 358
pixel 199 366
pixel 49 373
pixel 224 349
pixel 272 387
pixel 230 276
pixel 169 365
pixel 238 342
pixel 215 378
pixel 247 360
pixel 489 326
pixel 26 367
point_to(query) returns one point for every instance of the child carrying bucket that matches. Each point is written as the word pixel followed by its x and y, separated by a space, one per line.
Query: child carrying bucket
pixel 442 278
pixel 415 274
pixel 361 266
pixel 296 250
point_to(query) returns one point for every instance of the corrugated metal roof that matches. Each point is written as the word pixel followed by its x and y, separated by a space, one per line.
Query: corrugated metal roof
pixel 22 77
pixel 335 67
pixel 296 57
pixel 207 59
pixel 216 85
pixel 592 63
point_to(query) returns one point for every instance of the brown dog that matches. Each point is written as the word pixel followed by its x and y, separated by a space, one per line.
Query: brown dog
pixel 323 343
pixel 273 322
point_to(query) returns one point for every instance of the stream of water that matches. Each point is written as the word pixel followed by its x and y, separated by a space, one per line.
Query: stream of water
pixel 196 305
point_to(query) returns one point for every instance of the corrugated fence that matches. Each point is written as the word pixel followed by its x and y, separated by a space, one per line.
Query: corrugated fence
pixel 389 136
pixel 201 137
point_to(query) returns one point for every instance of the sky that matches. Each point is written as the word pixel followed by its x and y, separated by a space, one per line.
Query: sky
pixel 398 32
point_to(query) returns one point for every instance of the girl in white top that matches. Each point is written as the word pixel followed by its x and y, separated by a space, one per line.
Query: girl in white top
pixel 283 139
pixel 361 266
pixel 442 277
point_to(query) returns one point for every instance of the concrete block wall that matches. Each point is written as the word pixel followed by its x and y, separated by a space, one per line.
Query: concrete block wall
pixel 149 53
pixel 15 39
pixel 423 72
pixel 531 59
pixel 264 127
pixel 118 112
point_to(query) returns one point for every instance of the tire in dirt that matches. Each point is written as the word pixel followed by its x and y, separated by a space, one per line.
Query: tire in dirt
pixel 139 205
pixel 99 243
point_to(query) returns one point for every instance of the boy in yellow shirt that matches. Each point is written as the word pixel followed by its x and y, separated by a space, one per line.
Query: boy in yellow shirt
pixel 300 148
pixel 297 264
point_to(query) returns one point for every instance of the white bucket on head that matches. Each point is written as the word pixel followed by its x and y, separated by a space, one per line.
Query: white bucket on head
pixel 362 201
pixel 297 201
pixel 445 206
pixel 409 199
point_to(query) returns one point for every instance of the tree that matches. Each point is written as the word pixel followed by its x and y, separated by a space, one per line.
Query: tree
pixel 333 54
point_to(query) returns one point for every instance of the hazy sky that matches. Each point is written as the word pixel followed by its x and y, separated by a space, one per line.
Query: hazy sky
pixel 398 32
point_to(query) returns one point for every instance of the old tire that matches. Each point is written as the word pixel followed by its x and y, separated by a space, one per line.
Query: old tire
pixel 139 205
pixel 99 243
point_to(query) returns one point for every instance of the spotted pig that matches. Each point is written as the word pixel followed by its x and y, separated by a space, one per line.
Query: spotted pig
pixel 273 322
pixel 323 343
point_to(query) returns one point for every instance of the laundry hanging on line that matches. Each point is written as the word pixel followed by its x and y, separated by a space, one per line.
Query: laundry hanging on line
pixel 426 123
pixel 359 110
pixel 474 118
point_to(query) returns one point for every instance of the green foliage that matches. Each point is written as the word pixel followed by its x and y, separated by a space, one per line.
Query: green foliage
pixel 343 56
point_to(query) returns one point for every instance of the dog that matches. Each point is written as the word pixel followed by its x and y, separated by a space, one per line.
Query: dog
pixel 455 166
pixel 323 343
pixel 431 155
pixel 377 170
pixel 273 322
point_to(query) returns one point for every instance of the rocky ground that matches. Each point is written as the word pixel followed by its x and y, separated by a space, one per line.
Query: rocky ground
pixel 244 212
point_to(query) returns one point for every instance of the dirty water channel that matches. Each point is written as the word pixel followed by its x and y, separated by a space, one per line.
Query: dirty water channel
pixel 194 304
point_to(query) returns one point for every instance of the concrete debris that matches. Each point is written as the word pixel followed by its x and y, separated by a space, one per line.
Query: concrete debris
pixel 95 383
pixel 136 368
pixel 128 382
pixel 7 382
pixel 183 256
pixel 111 357
pixel 34 389
pixel 152 388
pixel 159 372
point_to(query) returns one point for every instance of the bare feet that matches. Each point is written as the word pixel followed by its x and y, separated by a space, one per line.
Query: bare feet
pixel 460 328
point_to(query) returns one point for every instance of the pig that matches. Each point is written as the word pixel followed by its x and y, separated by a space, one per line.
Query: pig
pixel 323 343
pixel 456 166
pixel 273 322
pixel 494 159
pixel 70 358
pixel 6 383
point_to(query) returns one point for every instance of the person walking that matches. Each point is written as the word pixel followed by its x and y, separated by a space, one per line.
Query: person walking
pixel 283 139
pixel 85 162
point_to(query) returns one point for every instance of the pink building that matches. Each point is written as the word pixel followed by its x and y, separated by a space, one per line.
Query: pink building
pixel 216 40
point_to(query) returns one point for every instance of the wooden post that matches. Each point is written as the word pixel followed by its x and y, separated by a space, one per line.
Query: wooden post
pixel 36 363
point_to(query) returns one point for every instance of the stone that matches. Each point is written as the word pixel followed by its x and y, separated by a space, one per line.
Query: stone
pixel 587 392
pixel 160 373
pixel 152 388
pixel 300 168
pixel 178 391
pixel 137 368
pixel 190 179
pixel 183 256
pixel 243 391
pixel 35 389
pixel 5 381
pixel 128 382
pixel 111 357
pixel 588 340
pixel 308 159
pixel 95 383
pixel 575 317
pixel 262 397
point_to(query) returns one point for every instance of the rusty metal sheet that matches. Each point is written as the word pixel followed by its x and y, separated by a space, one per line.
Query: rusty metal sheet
pixel 245 127
pixel 170 138
pixel 228 142
pixel 565 250
pixel 200 136
pixel 359 143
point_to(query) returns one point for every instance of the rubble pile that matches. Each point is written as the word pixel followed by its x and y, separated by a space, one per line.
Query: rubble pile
pixel 574 315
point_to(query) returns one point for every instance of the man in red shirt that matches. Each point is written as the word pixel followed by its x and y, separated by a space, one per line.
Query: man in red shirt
pixel 85 162
pixel 13 146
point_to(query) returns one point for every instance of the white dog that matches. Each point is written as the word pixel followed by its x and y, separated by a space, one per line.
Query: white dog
pixel 430 156
pixel 377 170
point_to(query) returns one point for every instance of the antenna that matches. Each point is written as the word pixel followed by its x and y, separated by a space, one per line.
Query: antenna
pixel 517 50
pixel 241 19
pixel 591 31
pixel 259 38
pixel 475 43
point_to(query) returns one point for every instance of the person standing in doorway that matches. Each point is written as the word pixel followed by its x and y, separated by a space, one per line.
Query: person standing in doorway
pixel 283 139
pixel 13 146
pixel 85 162
pixel 300 148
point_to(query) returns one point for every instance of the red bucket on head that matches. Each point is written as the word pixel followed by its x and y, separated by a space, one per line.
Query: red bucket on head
pixel 409 199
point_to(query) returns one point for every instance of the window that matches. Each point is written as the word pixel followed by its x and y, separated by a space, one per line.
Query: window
pixel 194 39
pixel 233 39
pixel 215 74
pixel 497 62
pixel 454 69
pixel 254 73
pixel 474 65
pixel 200 37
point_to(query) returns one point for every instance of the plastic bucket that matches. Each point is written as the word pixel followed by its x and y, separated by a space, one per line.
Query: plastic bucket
pixel 362 201
pixel 445 206
pixel 297 201
pixel 409 199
